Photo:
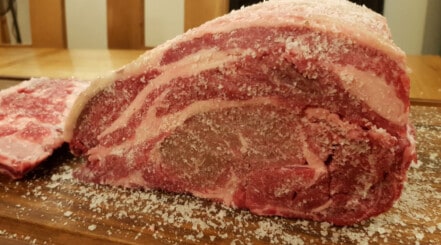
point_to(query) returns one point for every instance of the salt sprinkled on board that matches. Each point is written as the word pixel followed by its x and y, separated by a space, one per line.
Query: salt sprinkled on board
pixel 66 174
pixel 417 164
pixel 431 229
pixel 91 227
pixel 52 185
pixel 433 156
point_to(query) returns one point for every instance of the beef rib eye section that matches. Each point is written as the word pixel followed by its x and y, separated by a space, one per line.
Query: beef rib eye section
pixel 285 108
pixel 32 118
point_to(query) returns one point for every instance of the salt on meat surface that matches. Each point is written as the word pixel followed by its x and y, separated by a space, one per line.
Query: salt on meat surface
pixel 287 108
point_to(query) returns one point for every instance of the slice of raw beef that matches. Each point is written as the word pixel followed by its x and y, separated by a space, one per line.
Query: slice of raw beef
pixel 32 118
pixel 293 108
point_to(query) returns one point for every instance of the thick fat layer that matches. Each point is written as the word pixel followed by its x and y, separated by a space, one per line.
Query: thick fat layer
pixel 373 90
pixel 32 117
pixel 335 16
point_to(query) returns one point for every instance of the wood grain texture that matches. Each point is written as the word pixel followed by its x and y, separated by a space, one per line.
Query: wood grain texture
pixel 125 24
pixel 198 12
pixel 50 207
pixel 425 77
pixel 14 55
pixel 48 23
pixel 23 63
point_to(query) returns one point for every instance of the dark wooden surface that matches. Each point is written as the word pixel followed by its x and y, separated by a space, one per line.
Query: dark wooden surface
pixel 50 207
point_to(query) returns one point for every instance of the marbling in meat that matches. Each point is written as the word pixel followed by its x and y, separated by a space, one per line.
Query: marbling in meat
pixel 32 117
pixel 293 108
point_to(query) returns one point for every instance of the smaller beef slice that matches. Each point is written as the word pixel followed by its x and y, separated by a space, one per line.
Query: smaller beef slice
pixel 32 117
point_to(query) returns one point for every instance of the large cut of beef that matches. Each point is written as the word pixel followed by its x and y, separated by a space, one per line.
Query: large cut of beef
pixel 32 118
pixel 293 108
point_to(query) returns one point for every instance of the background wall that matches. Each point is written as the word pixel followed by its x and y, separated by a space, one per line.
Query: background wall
pixel 406 19
pixel 163 20
pixel 432 31
pixel 23 19
pixel 87 26
pixel 415 24
pixel 86 22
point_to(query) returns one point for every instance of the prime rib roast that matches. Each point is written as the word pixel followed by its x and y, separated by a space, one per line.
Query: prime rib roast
pixel 32 117
pixel 293 108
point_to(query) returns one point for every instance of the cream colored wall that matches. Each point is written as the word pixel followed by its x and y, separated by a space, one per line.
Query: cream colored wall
pixel 87 27
pixel 415 24
pixel 406 19
pixel 23 19
pixel 24 22
pixel 86 23
pixel 163 20
pixel 432 31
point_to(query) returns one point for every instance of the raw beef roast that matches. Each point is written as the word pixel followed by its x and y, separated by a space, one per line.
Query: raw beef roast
pixel 32 117
pixel 293 108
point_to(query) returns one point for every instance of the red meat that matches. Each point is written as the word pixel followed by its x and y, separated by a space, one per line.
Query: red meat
pixel 293 108
pixel 32 117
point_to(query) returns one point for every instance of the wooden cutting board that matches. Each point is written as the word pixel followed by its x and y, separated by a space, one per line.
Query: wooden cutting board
pixel 50 207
